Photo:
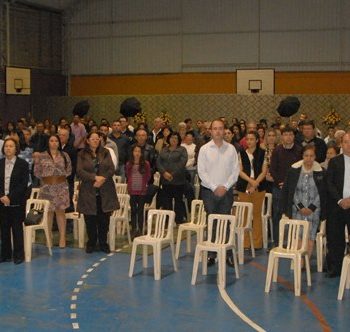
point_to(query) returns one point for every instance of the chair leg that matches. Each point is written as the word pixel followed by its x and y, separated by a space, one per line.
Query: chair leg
pixel 251 242
pixel 81 231
pixel 178 242
pixel 173 255
pixel 222 268
pixel 297 276
pixel 319 254
pixel 188 241
pixel 234 255
pixel 264 231
pixel 28 243
pixel 275 269
pixel 48 240
pixel 270 268
pixel 347 285
pixel 144 256
pixel 271 228
pixel 157 261
pixel 127 227
pixel 240 242
pixel 204 262
pixel 308 273
pixel 75 229
pixel 343 277
pixel 132 259
pixel 197 254
pixel 111 234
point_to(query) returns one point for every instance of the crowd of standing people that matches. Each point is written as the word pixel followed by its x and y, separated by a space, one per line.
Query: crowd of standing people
pixel 244 159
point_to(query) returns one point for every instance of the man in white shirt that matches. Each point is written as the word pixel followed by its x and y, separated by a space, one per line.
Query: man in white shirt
pixel 218 169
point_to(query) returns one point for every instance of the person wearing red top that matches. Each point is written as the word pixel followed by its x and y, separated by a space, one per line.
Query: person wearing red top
pixel 138 173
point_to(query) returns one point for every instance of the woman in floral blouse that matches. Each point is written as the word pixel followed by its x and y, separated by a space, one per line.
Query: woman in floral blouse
pixel 52 167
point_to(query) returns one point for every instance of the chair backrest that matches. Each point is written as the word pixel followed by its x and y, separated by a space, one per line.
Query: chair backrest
pixel 296 230
pixel 39 204
pixel 117 179
pixel 121 188
pixel 223 223
pixel 267 205
pixel 156 179
pixel 122 212
pixel 160 224
pixel 34 193
pixel 198 214
pixel 243 211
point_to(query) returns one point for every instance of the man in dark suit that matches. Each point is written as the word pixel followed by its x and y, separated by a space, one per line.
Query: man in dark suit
pixel 338 186
pixel 14 176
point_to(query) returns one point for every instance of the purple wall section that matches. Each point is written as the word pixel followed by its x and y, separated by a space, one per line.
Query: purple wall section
pixel 43 84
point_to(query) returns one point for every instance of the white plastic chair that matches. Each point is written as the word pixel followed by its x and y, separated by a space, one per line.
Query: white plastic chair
pixel 244 220
pixel 117 179
pixel 159 231
pixel 197 225
pixel 28 231
pixel 294 249
pixel 121 188
pixel 321 242
pixel 266 219
pixel 122 216
pixel 153 204
pixel 78 218
pixel 34 194
pixel 224 240
pixel 345 277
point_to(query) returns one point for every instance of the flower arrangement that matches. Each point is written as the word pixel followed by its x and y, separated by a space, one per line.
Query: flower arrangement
pixel 140 117
pixel 165 117
pixel 332 118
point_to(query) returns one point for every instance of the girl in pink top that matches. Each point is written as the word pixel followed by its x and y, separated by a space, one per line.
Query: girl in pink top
pixel 138 173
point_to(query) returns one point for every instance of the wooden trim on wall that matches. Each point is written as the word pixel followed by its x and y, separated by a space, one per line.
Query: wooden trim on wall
pixel 206 83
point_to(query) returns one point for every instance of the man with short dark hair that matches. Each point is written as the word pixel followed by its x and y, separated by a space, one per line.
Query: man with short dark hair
pixel 123 144
pixel 283 156
pixel 309 137
pixel 124 124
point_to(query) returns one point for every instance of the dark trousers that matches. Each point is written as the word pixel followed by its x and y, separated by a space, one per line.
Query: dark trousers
pixel 176 192
pixel 335 230
pixel 218 205
pixel 276 213
pixel 97 226
pixel 137 203
pixel 11 220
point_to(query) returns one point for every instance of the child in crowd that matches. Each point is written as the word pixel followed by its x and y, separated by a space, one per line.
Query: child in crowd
pixel 138 172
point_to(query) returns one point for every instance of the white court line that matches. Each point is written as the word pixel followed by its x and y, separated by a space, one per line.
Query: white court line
pixel 76 290
pixel 73 315
pixel 84 276
pixel 96 264
pixel 73 306
pixel 80 282
pixel 75 326
pixel 103 259
pixel 89 270
pixel 238 312
pixel 74 297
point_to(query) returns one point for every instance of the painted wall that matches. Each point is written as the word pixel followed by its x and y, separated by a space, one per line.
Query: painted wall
pixel 192 83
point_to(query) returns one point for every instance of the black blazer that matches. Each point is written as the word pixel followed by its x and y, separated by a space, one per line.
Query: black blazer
pixel 18 182
pixel 290 184
pixel 335 179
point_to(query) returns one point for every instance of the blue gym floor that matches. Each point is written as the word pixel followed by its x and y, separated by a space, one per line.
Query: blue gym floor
pixel 75 291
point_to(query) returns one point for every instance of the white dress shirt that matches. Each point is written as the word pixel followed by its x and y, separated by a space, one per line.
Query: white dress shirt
pixel 218 166
pixel 346 188
pixel 190 148
pixel 9 164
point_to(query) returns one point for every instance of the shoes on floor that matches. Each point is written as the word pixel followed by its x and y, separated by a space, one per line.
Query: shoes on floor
pixel 105 248
pixel 89 249
pixel 18 261
pixel 5 260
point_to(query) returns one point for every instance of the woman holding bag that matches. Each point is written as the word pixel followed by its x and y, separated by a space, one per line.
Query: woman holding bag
pixel 97 194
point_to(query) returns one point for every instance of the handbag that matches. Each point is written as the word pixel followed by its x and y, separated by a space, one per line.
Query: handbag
pixel 33 217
